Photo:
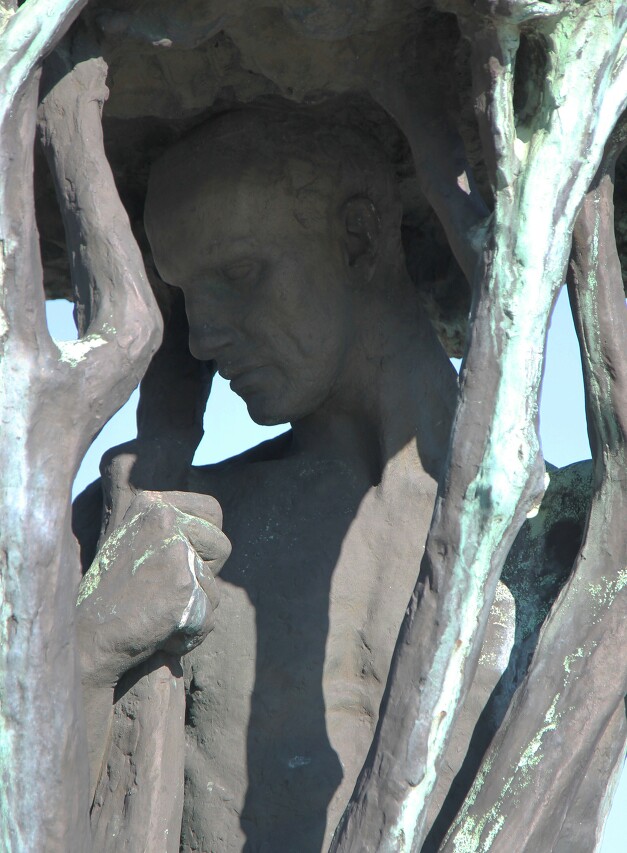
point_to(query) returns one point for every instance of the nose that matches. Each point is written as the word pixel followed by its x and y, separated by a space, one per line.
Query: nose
pixel 209 327
pixel 207 341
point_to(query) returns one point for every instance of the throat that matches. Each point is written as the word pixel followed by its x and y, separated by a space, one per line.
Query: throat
pixel 329 434
pixel 405 412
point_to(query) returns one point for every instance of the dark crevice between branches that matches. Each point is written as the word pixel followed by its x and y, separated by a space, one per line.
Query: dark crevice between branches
pixel 529 76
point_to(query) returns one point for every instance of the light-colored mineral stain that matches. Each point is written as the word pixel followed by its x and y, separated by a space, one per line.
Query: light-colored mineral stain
pixel 185 620
pixel 6 13
pixel 74 352
pixel 148 553
pixel 605 591
pixel 532 756
pixel 570 659
pixel 298 761
pixel 104 559
pixel 467 831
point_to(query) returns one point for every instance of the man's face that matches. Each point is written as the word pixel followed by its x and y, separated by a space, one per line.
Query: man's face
pixel 266 298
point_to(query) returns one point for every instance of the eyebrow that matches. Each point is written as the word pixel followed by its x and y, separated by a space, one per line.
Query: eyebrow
pixel 229 247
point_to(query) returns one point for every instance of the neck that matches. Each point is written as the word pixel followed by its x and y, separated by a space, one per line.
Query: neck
pixel 396 395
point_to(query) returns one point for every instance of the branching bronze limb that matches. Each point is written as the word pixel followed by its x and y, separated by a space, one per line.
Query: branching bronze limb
pixel 46 391
pixel 495 470
pixel 576 680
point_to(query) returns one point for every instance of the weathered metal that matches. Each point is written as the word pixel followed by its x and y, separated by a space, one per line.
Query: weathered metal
pixel 48 390
pixel 541 150
pixel 540 167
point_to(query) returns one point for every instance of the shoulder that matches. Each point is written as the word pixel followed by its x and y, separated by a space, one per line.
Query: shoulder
pixel 558 526
pixel 215 478
pixel 542 555
pixel 209 479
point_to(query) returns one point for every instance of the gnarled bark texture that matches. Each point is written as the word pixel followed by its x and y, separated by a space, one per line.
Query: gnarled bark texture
pixel 54 400
pixel 541 158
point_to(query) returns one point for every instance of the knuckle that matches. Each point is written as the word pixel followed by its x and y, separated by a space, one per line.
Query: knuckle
pixel 141 503
pixel 223 549
pixel 214 511
pixel 159 514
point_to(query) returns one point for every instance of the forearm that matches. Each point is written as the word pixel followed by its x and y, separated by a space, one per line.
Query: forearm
pixel 448 184
pixel 442 169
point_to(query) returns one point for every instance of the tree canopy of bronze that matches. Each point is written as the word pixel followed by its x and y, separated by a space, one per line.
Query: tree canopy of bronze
pixel 394 628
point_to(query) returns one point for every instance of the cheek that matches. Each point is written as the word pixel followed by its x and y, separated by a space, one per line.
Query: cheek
pixel 304 345
pixel 301 320
pixel 316 312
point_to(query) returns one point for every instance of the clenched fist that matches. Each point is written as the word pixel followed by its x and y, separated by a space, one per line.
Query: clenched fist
pixel 151 586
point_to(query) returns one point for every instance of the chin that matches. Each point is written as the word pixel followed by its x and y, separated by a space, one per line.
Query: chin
pixel 264 414
pixel 271 409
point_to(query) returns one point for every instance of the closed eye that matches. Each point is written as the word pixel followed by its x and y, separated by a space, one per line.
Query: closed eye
pixel 242 271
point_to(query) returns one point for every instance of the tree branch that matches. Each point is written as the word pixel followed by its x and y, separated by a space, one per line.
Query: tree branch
pixel 494 471
pixel 27 34
pixel 41 723
pixel 118 319
pixel 576 679
pixel 493 60
pixel 51 408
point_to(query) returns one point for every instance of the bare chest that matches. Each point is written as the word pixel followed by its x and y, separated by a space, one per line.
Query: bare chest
pixel 312 598
pixel 326 568
pixel 284 694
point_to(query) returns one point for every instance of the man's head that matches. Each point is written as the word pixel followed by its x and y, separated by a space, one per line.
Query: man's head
pixel 281 230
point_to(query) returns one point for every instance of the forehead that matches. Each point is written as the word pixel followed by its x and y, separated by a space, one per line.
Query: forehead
pixel 205 200
pixel 201 217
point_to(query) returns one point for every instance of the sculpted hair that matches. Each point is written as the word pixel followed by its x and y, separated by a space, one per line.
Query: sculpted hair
pixel 321 163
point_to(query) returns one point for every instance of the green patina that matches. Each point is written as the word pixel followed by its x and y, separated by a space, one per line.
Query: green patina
pixel 532 756
pixel 491 502
pixel 6 13
pixel 105 558
pixel 179 536
pixel 493 496
pixel 14 477
pixel 121 540
pixel 26 38
pixel 570 659
pixel 605 591
pixel 7 735
pixel 530 253
pixel 148 553
pixel 7 246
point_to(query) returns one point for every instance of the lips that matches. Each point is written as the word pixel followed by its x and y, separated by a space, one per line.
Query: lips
pixel 234 371
pixel 239 375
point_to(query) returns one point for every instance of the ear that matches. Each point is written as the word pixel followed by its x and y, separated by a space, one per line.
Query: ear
pixel 361 234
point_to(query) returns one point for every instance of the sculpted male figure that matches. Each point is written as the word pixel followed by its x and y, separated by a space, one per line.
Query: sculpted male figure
pixel 284 235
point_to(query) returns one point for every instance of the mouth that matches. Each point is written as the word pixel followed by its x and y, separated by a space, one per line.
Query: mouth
pixel 240 377
pixel 233 371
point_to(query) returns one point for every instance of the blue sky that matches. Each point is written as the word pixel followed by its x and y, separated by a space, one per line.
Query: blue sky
pixel 229 430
